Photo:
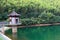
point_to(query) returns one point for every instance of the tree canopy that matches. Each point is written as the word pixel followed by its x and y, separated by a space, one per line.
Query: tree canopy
pixel 41 9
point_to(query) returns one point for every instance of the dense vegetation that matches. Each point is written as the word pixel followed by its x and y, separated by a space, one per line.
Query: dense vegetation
pixel 32 11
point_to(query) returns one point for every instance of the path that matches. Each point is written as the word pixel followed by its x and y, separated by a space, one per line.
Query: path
pixel 3 37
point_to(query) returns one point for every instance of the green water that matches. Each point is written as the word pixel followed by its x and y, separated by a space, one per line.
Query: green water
pixel 37 33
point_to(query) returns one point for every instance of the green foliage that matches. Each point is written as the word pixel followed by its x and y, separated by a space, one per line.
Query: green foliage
pixel 38 11
pixel 46 16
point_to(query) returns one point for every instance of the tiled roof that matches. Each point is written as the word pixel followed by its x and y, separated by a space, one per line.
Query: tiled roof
pixel 13 13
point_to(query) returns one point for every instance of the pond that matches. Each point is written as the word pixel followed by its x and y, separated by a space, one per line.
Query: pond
pixel 36 33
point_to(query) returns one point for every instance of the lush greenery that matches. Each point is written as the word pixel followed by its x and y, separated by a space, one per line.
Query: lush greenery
pixel 32 11
pixel 37 33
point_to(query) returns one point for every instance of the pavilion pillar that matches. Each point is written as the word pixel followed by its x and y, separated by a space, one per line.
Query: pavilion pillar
pixel 2 31
pixel 14 33
pixel 14 30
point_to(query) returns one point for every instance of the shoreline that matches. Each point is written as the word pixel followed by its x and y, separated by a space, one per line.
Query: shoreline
pixel 21 26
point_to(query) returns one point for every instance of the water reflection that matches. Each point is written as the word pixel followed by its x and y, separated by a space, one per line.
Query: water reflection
pixel 14 36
